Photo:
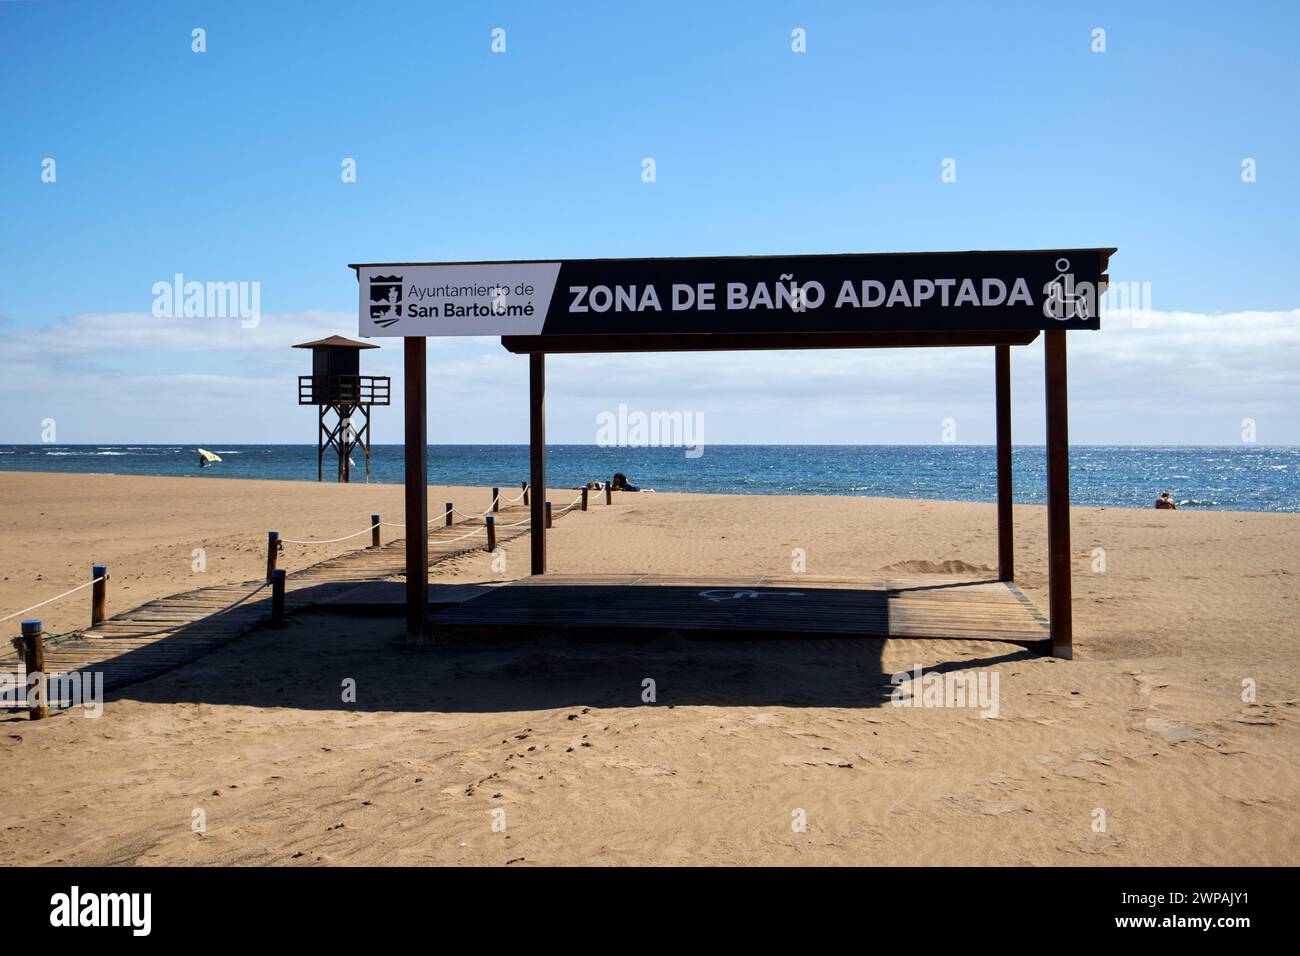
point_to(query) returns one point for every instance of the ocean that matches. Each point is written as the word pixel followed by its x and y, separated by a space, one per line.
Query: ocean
pixel 1237 478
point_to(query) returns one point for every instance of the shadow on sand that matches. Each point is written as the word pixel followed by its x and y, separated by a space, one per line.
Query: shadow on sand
pixel 306 665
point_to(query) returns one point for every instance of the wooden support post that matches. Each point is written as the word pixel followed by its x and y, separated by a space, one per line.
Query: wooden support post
pixel 98 593
pixel 1059 614
pixel 584 497
pixel 277 598
pixel 374 531
pixel 496 499
pixel 417 489
pixel 525 490
pixel 491 533
pixel 345 447
pixel 272 552
pixel 450 508
pixel 365 411
pixel 609 494
pixel 1006 537
pixel 539 512
pixel 34 662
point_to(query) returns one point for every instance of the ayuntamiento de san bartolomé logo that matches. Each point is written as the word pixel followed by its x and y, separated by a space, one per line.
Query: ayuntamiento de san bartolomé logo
pixel 385 300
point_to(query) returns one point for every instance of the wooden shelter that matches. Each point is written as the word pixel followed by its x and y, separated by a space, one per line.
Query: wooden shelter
pixel 991 300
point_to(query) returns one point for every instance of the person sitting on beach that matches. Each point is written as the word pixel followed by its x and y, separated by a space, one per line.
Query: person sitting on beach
pixel 1166 502
pixel 620 483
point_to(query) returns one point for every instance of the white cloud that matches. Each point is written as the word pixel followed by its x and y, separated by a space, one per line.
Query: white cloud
pixel 1170 377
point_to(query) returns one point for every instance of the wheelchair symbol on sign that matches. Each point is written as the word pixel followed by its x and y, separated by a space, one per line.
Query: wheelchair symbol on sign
pixel 1063 301
pixel 717 595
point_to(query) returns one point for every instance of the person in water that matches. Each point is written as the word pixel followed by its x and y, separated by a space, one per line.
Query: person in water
pixel 1166 502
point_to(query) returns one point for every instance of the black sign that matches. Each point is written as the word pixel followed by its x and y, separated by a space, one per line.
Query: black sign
pixel 910 292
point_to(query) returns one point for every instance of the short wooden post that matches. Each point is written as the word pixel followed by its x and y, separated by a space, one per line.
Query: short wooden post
pixel 548 514
pixel 98 593
pixel 496 499
pixel 584 497
pixel 374 531
pixel 609 495
pixel 272 552
pixel 450 509
pixel 34 661
pixel 492 533
pixel 525 487
pixel 277 597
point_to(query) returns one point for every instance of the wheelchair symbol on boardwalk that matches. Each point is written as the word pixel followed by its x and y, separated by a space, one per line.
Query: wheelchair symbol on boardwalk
pixel 719 594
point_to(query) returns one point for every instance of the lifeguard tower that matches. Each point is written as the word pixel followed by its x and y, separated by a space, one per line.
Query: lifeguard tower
pixel 337 386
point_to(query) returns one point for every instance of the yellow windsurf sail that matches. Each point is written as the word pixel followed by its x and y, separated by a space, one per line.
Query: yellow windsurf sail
pixel 208 456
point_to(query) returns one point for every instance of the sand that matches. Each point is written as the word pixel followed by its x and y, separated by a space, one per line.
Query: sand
pixel 546 754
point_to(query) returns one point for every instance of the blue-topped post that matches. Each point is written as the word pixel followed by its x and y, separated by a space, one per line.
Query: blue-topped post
pixel 98 593
pixel 272 552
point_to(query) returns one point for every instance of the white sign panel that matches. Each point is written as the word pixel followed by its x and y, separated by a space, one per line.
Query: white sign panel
pixel 488 299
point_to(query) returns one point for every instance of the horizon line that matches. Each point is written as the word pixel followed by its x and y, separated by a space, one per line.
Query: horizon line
pixel 524 444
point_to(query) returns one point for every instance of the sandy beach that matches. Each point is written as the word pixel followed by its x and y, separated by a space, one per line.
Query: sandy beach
pixel 1146 728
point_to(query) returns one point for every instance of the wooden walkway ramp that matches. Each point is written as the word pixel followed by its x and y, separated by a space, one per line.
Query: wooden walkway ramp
pixel 168 632
pixel 149 640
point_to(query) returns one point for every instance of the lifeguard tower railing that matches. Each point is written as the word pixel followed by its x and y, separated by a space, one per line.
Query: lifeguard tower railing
pixel 343 389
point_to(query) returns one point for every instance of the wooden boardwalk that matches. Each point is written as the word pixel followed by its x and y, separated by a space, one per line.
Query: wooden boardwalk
pixel 168 632
pixel 165 633
pixel 642 607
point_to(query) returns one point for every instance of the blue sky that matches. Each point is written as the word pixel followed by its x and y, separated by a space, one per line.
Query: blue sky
pixel 225 166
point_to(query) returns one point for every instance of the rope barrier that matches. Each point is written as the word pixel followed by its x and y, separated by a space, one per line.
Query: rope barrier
pixel 500 527
pixel 528 520
pixel 494 500
pixel 55 598
pixel 334 540
pixel 517 524
pixel 51 640
pixel 345 537
pixel 462 537
pixel 390 524
pixel 571 504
